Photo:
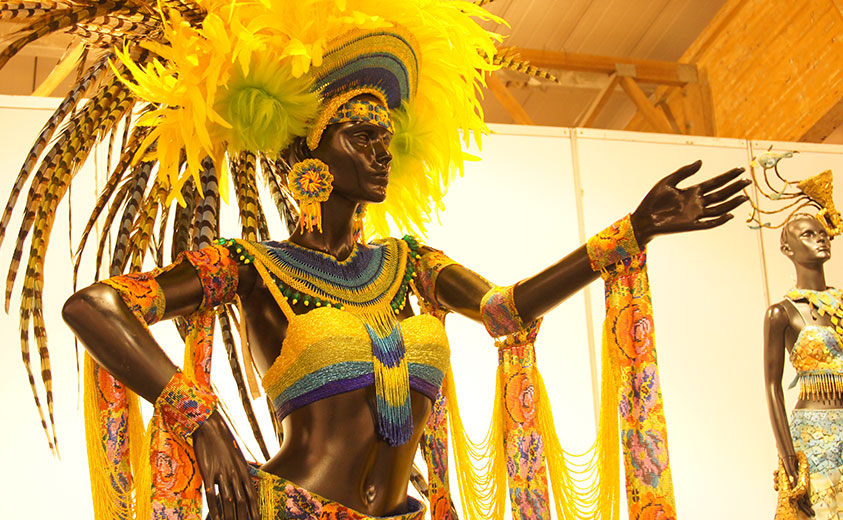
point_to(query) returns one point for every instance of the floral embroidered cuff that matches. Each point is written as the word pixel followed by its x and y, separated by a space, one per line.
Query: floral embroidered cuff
pixel 498 312
pixel 217 272
pixel 612 245
pixel 428 268
pixel 184 406
pixel 141 294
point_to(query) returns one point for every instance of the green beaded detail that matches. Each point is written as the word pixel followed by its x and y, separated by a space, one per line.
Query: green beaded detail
pixel 236 251
pixel 239 253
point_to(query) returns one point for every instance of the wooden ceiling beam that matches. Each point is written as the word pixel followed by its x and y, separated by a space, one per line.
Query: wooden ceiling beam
pixel 588 117
pixel 653 115
pixel 645 71
pixel 510 104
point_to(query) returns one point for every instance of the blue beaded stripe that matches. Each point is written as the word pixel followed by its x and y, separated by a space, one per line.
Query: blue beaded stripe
pixel 377 61
pixel 383 70
pixel 395 422
pixel 390 349
pixel 396 425
pixel 358 270
pixel 345 377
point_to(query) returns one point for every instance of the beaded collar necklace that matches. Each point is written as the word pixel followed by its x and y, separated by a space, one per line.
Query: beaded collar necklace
pixel 826 303
pixel 372 284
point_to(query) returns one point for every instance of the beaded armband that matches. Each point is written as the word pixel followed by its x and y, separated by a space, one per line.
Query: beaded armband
pixel 184 406
pixel 217 272
pixel 498 312
pixel 429 266
pixel 141 294
pixel 612 245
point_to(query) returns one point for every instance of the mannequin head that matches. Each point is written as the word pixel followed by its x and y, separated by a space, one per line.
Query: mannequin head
pixel 805 241
pixel 357 155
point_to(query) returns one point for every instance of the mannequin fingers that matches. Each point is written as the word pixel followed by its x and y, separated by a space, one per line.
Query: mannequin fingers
pixel 720 180
pixel 241 501
pixel 249 492
pixel 713 223
pixel 226 498
pixel 682 173
pixel 213 502
pixel 725 207
pixel 724 193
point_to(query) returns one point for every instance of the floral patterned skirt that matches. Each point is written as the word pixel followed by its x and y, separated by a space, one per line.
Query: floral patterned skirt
pixel 280 499
pixel 819 434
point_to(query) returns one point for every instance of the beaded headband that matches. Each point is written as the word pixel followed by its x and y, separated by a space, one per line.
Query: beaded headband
pixel 382 63
pixel 363 111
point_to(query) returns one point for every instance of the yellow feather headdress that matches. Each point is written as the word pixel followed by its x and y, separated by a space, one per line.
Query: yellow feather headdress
pixel 252 75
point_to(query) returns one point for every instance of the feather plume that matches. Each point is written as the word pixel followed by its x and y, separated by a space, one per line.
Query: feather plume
pixel 244 181
pixel 124 230
pixel 208 210
pixel 182 221
pixel 508 58
pixel 280 193
pixel 142 228
pixel 107 191
pixel 27 10
pixel 66 106
pixel 55 21
pixel 237 373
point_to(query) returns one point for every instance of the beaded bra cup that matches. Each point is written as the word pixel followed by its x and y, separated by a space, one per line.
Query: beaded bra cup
pixel 817 354
pixel 352 338
pixel 328 351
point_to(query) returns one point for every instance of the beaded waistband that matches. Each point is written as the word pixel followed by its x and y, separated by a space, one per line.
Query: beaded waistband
pixel 820 385
pixel 281 499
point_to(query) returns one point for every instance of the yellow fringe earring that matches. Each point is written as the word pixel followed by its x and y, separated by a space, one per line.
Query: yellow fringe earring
pixel 310 183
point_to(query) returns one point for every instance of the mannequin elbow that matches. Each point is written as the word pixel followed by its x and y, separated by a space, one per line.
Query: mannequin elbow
pixel 88 304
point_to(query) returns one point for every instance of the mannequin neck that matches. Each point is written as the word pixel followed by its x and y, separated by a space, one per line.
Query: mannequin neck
pixel 810 277
pixel 337 236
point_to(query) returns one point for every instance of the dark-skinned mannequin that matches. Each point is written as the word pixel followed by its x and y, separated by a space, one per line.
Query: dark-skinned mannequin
pixel 331 446
pixel 807 245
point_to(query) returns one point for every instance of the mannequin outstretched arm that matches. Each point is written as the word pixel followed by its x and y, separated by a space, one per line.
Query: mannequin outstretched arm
pixel 665 209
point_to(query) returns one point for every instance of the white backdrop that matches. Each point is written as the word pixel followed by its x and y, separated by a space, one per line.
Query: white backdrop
pixel 512 214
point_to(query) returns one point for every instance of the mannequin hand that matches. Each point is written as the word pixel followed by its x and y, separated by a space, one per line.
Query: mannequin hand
pixel 804 504
pixel 668 209
pixel 221 463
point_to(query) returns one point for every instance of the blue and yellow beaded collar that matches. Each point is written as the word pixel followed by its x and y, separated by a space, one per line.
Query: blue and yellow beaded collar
pixel 372 284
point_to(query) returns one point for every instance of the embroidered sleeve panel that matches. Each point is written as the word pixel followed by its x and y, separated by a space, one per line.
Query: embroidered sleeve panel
pixel 428 267
pixel 141 294
pixel 218 274
pixel 614 244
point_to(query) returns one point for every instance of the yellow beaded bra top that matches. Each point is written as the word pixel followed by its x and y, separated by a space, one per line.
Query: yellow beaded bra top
pixel 351 338
pixel 817 354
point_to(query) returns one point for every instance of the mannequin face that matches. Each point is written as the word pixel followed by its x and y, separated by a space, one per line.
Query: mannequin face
pixel 806 242
pixel 357 154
